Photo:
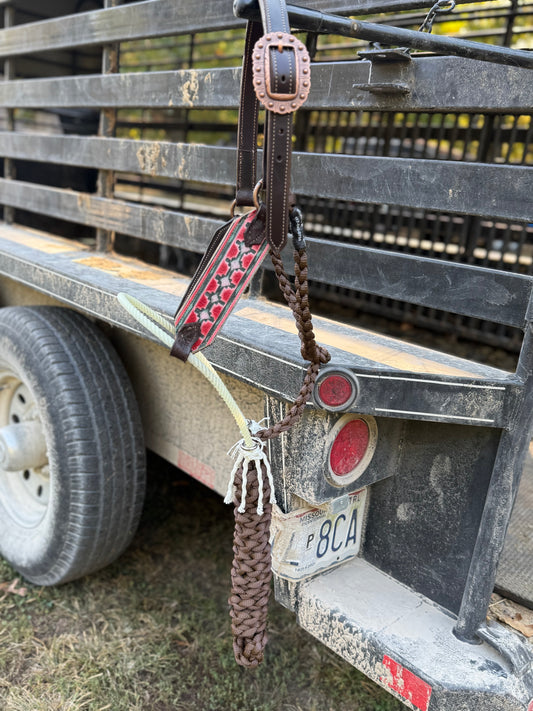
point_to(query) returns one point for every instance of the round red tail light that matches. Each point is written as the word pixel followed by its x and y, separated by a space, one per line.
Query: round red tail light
pixel 349 447
pixel 335 389
pixel 353 442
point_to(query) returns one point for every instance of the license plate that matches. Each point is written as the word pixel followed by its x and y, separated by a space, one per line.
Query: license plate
pixel 310 540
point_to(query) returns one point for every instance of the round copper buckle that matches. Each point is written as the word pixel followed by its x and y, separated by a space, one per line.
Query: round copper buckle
pixel 272 101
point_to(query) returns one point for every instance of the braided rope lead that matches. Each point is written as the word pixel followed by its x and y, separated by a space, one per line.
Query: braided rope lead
pixel 251 569
pixel 251 487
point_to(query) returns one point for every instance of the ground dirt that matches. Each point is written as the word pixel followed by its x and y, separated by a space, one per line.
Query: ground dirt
pixel 152 631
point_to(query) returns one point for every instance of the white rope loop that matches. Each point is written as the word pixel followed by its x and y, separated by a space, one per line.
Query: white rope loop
pixel 245 455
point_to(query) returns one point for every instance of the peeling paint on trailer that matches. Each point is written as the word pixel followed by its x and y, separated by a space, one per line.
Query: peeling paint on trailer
pixel 407 684
pixel 149 276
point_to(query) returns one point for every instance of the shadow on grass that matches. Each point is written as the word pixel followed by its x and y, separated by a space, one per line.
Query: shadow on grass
pixel 152 631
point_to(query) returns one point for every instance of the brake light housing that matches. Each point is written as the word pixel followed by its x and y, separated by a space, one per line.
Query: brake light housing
pixel 352 443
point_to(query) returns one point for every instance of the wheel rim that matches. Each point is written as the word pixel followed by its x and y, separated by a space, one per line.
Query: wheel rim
pixel 24 494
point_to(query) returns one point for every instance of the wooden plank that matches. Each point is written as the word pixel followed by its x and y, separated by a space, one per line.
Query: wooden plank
pixel 153 18
pixel 471 86
pixel 501 191
pixel 472 291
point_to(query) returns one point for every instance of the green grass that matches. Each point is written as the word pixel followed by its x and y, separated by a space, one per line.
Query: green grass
pixel 152 631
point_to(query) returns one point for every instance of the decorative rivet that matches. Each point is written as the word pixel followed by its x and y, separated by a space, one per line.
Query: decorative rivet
pixel 280 35
pixel 282 108
pixel 262 95
pixel 302 96
pixel 258 69
pixel 261 45
pixel 291 39
pixel 304 59
pixel 294 105
pixel 306 83
pixel 305 71
pixel 269 37
pixel 258 56
pixel 271 103
pixel 258 82
pixel 300 47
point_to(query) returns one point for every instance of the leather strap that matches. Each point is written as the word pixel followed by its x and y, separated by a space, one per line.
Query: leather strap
pixel 247 128
pixel 274 15
pixel 277 67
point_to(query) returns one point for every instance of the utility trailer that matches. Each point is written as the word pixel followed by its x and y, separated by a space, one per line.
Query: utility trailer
pixel 396 489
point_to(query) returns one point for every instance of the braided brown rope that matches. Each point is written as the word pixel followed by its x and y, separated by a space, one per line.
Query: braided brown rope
pixel 298 300
pixel 251 573
pixel 251 570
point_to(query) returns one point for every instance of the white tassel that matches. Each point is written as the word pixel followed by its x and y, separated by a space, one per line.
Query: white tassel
pixel 244 455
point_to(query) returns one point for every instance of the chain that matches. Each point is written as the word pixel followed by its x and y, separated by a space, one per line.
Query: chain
pixel 441 7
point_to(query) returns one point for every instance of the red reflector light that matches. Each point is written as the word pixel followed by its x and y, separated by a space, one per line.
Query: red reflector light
pixel 335 390
pixel 349 447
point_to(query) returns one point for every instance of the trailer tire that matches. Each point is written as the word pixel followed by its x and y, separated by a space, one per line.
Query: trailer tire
pixel 76 504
